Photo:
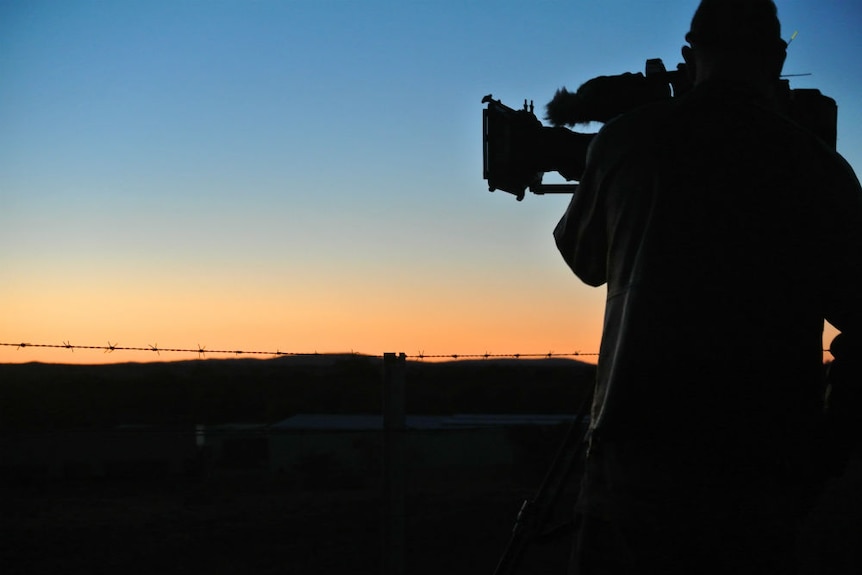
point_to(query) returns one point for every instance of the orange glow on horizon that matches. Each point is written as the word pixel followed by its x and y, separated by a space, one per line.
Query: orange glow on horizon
pixel 428 321
pixel 434 347
pixel 363 320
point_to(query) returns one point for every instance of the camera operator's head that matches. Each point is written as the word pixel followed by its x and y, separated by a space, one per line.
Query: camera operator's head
pixel 736 40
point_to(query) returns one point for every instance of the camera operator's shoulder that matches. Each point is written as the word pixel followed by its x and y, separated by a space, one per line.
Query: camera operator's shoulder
pixel 635 128
pixel 812 150
pixel 644 118
pixel 795 134
pixel 845 179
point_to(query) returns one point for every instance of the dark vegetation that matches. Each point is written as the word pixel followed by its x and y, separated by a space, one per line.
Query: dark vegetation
pixel 40 396
pixel 232 521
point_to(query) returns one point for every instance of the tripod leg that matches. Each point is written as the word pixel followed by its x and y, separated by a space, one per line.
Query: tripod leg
pixel 535 512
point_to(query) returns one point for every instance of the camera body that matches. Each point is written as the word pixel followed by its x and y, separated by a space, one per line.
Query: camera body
pixel 517 150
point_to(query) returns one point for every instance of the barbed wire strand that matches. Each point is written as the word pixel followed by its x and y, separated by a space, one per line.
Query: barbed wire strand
pixel 202 351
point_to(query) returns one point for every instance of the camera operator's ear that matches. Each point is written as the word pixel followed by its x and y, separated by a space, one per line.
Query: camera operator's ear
pixel 690 64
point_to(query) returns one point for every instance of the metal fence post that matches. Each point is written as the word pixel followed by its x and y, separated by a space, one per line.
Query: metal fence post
pixel 394 367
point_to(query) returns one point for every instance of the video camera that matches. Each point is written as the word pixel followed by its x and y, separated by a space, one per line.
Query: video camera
pixel 518 150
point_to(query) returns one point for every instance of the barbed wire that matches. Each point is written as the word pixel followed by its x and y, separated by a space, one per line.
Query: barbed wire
pixel 202 351
pixel 548 355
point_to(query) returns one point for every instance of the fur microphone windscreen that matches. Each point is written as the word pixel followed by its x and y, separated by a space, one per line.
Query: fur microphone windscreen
pixel 604 97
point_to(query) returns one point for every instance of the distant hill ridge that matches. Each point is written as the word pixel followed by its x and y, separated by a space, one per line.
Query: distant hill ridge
pixel 42 396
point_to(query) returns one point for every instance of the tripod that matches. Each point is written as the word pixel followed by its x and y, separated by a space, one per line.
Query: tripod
pixel 531 523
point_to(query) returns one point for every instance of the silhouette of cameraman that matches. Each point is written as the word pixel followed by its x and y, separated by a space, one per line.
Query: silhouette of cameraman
pixel 726 234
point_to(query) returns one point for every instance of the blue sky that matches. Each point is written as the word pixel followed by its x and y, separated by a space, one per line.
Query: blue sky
pixel 279 174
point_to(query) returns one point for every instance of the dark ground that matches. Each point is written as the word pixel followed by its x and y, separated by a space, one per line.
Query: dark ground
pixel 253 525
pixel 259 524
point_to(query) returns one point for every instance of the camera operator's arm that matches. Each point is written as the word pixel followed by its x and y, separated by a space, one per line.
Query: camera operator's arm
pixel 843 302
pixel 581 235
pixel 843 402
pixel 563 151
pixel 841 196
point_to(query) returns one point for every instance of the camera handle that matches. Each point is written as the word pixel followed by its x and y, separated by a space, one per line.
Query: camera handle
pixel 542 189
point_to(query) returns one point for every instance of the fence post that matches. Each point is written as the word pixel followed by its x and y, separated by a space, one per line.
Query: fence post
pixel 394 367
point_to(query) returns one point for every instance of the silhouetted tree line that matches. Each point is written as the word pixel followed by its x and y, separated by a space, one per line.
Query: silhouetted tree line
pixel 50 396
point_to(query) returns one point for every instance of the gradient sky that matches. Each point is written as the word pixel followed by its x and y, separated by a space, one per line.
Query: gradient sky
pixel 306 175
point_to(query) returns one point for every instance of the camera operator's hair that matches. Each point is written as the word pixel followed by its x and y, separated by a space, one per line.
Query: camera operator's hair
pixel 736 25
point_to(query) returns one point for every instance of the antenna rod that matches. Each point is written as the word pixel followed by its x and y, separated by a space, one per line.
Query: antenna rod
pixel 792 38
